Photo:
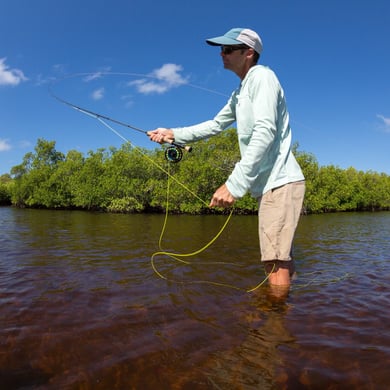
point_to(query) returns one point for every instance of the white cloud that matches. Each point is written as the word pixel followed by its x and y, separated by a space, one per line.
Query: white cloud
pixel 386 122
pixel 98 94
pixel 144 86
pixel 97 75
pixel 169 73
pixel 164 79
pixel 4 145
pixel 10 76
pixel 93 76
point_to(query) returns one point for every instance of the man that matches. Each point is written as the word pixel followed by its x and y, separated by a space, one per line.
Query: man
pixel 267 169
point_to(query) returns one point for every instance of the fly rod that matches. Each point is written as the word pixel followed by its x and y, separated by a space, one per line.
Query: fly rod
pixel 173 153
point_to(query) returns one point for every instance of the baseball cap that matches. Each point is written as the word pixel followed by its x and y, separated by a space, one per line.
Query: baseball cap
pixel 237 36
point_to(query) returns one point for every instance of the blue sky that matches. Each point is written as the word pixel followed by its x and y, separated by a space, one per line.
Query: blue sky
pixel 146 63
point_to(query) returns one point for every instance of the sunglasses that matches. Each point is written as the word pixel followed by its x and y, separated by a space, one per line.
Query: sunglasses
pixel 231 49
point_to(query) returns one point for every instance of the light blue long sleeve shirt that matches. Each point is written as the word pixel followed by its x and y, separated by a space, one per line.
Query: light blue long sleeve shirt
pixel 258 107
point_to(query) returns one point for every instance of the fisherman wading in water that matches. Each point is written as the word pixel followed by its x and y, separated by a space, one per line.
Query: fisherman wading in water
pixel 268 168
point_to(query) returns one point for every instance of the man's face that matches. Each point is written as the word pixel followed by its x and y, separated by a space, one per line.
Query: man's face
pixel 234 57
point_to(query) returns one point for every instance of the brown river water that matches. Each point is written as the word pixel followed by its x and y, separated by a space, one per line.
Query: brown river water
pixel 81 306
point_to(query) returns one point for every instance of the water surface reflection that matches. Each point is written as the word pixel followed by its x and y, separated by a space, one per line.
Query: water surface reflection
pixel 81 307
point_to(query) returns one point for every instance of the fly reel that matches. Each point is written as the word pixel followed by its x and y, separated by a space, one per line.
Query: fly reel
pixel 173 154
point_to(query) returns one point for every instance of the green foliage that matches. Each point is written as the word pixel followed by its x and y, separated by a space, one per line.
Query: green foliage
pixel 127 204
pixel 129 180
pixel 34 186
pixel 331 188
pixel 6 184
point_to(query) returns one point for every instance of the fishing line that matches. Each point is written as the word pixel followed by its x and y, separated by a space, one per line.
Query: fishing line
pixel 103 118
pixel 316 280
pixel 180 257
pixel 152 161
pixel 173 154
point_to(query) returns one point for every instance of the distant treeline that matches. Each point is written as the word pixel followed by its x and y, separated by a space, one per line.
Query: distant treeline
pixel 130 180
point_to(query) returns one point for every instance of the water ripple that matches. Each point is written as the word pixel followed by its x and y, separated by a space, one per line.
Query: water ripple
pixel 81 307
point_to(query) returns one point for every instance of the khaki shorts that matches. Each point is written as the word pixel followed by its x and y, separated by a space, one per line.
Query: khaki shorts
pixel 279 211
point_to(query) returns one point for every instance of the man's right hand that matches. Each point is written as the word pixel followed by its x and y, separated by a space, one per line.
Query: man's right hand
pixel 161 135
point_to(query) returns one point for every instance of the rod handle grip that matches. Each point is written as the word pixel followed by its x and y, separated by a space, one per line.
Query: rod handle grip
pixel 185 147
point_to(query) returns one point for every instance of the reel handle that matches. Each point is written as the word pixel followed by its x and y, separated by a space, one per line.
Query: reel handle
pixel 185 147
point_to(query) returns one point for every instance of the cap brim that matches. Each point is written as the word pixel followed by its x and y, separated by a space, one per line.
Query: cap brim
pixel 219 41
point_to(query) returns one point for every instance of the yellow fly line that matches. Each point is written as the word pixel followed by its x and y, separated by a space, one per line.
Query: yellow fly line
pixel 181 257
